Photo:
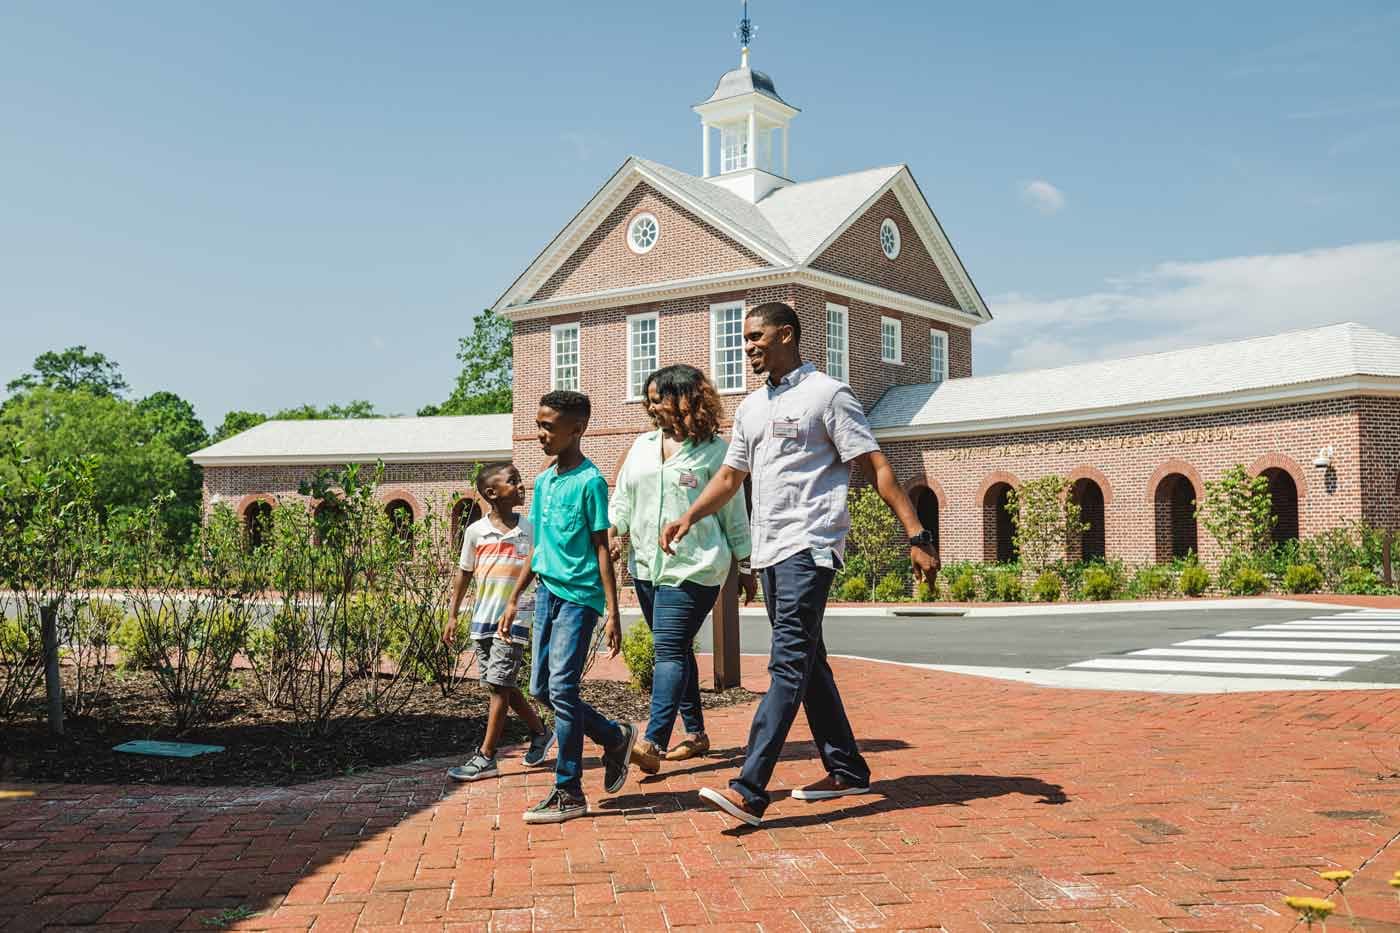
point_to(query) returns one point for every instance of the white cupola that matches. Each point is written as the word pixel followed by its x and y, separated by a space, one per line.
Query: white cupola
pixel 752 123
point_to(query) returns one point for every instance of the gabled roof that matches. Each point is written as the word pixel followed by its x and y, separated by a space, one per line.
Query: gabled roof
pixel 1320 362
pixel 788 228
pixel 359 440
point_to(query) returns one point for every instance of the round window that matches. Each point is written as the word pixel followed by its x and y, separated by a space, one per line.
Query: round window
pixel 889 238
pixel 642 233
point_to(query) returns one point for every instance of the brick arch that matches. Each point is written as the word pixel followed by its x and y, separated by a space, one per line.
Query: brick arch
pixel 990 480
pixel 1095 474
pixel 997 528
pixel 388 494
pixel 924 481
pixel 911 489
pixel 1287 465
pixel 1169 467
pixel 252 497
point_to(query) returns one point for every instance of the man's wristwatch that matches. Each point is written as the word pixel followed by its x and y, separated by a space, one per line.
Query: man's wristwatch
pixel 922 539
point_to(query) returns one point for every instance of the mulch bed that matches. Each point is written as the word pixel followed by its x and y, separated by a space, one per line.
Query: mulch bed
pixel 261 745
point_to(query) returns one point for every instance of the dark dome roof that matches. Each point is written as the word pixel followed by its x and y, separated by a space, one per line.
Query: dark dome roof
pixel 745 81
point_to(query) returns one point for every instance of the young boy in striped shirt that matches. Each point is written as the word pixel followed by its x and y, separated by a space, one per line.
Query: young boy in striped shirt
pixel 494 548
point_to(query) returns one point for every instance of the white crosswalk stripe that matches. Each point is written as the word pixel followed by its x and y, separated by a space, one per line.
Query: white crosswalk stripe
pixel 1344 640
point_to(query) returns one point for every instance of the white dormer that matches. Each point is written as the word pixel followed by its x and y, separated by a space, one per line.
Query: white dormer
pixel 752 123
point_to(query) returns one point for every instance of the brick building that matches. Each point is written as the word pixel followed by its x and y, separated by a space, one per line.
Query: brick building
pixel 659 266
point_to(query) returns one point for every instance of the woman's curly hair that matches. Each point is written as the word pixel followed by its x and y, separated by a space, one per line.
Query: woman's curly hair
pixel 692 399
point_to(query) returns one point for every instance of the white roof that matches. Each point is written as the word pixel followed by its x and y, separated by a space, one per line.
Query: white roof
pixel 1320 362
pixel 352 440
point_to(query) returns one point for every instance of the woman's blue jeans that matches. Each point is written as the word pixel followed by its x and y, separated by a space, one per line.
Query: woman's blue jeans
pixel 674 614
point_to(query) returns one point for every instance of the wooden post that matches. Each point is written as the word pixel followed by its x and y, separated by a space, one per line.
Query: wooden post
pixel 48 620
pixel 725 625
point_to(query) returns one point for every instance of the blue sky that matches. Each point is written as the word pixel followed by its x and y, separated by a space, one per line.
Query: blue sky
pixel 258 205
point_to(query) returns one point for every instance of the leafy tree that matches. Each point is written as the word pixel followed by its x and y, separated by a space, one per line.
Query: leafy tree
pixel 73 368
pixel 1237 510
pixel 173 419
pixel 1045 516
pixel 874 531
pixel 236 422
pixel 484 384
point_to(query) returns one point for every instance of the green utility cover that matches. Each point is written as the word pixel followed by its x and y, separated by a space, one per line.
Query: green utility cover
pixel 166 749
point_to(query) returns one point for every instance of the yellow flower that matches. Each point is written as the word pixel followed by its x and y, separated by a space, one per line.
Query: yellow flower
pixel 1310 907
pixel 1338 876
pixel 1395 882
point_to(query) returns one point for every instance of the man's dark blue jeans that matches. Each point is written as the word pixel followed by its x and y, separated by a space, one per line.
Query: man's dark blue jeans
pixel 674 614
pixel 795 592
pixel 562 636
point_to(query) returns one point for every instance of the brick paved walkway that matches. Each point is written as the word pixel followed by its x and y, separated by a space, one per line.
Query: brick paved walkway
pixel 999 806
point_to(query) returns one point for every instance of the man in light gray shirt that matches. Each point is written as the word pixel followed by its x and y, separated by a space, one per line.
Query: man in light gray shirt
pixel 797 436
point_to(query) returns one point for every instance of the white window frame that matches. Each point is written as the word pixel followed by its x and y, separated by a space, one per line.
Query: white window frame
pixel 554 333
pixel 634 392
pixel 938 338
pixel 898 358
pixel 896 240
pixel 715 311
pixel 631 228
pixel 845 362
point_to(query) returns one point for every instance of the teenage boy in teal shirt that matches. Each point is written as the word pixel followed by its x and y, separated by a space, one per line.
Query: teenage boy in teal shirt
pixel 569 516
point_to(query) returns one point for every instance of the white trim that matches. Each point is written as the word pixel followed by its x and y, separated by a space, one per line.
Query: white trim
pixel 554 353
pixel 898 326
pixel 631 349
pixel 632 227
pixel 715 311
pixel 941 337
pixel 746 278
pixel 892 253
pixel 1322 390
pixel 845 313
pixel 358 456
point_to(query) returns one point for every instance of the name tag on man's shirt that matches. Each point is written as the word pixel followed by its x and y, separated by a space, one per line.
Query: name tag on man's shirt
pixel 783 428
pixel 688 480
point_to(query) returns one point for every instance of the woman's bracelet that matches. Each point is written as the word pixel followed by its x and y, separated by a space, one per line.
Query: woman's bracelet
pixel 745 567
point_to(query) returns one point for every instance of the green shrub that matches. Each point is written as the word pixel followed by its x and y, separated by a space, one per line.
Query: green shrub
pixel 855 590
pixel 1048 587
pixel 1248 581
pixel 1360 581
pixel 1302 578
pixel 925 592
pixel 891 589
pixel 640 654
pixel 1006 586
pixel 1100 583
pixel 1195 579
pixel 963 588
pixel 1152 581
pixel 138 652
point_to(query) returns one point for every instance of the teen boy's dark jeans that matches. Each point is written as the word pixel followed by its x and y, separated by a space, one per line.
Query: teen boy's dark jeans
pixel 563 634
pixel 674 614
pixel 795 592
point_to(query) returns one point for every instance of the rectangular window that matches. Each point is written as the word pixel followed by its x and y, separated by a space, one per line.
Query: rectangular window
pixel 733 148
pixel 890 341
pixel 837 342
pixel 641 352
pixel 937 356
pixel 727 346
pixel 563 357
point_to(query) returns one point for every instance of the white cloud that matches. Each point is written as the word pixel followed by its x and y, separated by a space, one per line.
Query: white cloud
pixel 1182 304
pixel 1043 196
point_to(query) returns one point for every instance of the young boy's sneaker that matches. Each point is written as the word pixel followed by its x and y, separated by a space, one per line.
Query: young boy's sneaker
pixel 829 787
pixel 539 748
pixel 560 806
pixel 477 768
pixel 618 759
pixel 729 801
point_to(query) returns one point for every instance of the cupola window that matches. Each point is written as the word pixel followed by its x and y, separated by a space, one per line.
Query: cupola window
pixel 642 233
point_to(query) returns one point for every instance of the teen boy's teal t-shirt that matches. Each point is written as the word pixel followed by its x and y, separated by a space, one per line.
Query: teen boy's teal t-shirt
pixel 565 510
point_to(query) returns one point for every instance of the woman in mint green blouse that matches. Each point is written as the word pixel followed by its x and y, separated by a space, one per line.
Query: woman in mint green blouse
pixel 664 472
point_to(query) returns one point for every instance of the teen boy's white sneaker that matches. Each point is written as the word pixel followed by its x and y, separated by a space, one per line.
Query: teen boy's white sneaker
pixel 829 787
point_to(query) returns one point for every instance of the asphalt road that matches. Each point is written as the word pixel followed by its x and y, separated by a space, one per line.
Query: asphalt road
pixel 1053 642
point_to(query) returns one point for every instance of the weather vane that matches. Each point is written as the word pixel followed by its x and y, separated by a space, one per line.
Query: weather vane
pixel 746 29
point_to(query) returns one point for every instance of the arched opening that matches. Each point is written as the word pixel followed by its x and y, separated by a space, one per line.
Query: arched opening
pixel 401 517
pixel 257 522
pixel 1089 544
pixel 998 530
pixel 1175 507
pixel 1283 498
pixel 464 513
pixel 926 506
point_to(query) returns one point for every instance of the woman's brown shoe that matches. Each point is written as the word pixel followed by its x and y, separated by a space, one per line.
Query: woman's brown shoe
pixel 689 747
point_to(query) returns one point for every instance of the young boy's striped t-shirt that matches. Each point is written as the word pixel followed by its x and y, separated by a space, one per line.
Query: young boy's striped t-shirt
pixel 495 557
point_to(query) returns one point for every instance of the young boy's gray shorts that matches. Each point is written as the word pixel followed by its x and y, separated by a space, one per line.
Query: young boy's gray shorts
pixel 499 660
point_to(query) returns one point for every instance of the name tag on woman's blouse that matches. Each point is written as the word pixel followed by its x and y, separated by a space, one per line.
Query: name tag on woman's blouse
pixel 688 480
pixel 784 428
